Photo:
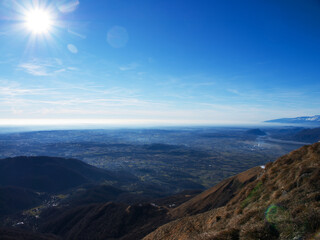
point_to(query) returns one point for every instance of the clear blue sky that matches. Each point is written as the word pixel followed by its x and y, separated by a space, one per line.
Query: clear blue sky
pixel 160 62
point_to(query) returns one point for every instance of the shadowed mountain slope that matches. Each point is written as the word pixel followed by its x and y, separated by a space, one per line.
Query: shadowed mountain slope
pixel 256 132
pixel 283 203
pixel 110 220
pixel 105 221
pixel 308 135
pixel 122 221
pixel 96 194
pixel 17 234
pixel 48 174
pixel 13 199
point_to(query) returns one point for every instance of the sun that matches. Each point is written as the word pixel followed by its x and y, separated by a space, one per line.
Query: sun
pixel 38 21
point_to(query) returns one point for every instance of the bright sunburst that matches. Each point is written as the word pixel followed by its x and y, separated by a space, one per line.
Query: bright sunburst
pixel 38 21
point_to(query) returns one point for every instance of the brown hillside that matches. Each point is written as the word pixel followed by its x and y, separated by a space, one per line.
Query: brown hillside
pixel 217 196
pixel 283 203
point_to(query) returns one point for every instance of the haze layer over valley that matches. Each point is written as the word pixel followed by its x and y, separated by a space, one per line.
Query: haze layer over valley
pixel 173 159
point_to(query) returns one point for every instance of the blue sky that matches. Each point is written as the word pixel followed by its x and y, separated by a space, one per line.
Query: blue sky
pixel 152 62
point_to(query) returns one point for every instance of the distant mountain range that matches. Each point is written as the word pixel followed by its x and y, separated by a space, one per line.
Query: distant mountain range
pixel 256 132
pixel 310 120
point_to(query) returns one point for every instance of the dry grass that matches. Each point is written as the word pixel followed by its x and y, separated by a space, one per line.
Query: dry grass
pixel 283 203
pixel 262 231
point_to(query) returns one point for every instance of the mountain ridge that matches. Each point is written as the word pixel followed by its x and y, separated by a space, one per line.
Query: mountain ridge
pixel 52 174
pixel 218 195
pixel 282 203
pixel 298 120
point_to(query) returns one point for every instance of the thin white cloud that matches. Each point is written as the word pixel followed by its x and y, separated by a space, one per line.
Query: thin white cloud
pixel 129 67
pixel 81 100
pixel 72 68
pixel 9 89
pixel 97 121
pixel 60 70
pixel 42 68
pixel 234 91
pixel 78 106
pixel 34 69
pixel 188 81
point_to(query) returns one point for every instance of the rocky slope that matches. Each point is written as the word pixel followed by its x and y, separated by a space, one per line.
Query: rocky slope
pixel 282 203
pixel 217 196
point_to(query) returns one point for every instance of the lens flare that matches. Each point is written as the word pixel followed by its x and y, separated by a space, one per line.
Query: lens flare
pixel 276 214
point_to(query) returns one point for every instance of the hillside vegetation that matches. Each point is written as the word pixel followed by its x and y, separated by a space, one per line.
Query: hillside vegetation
pixel 282 203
